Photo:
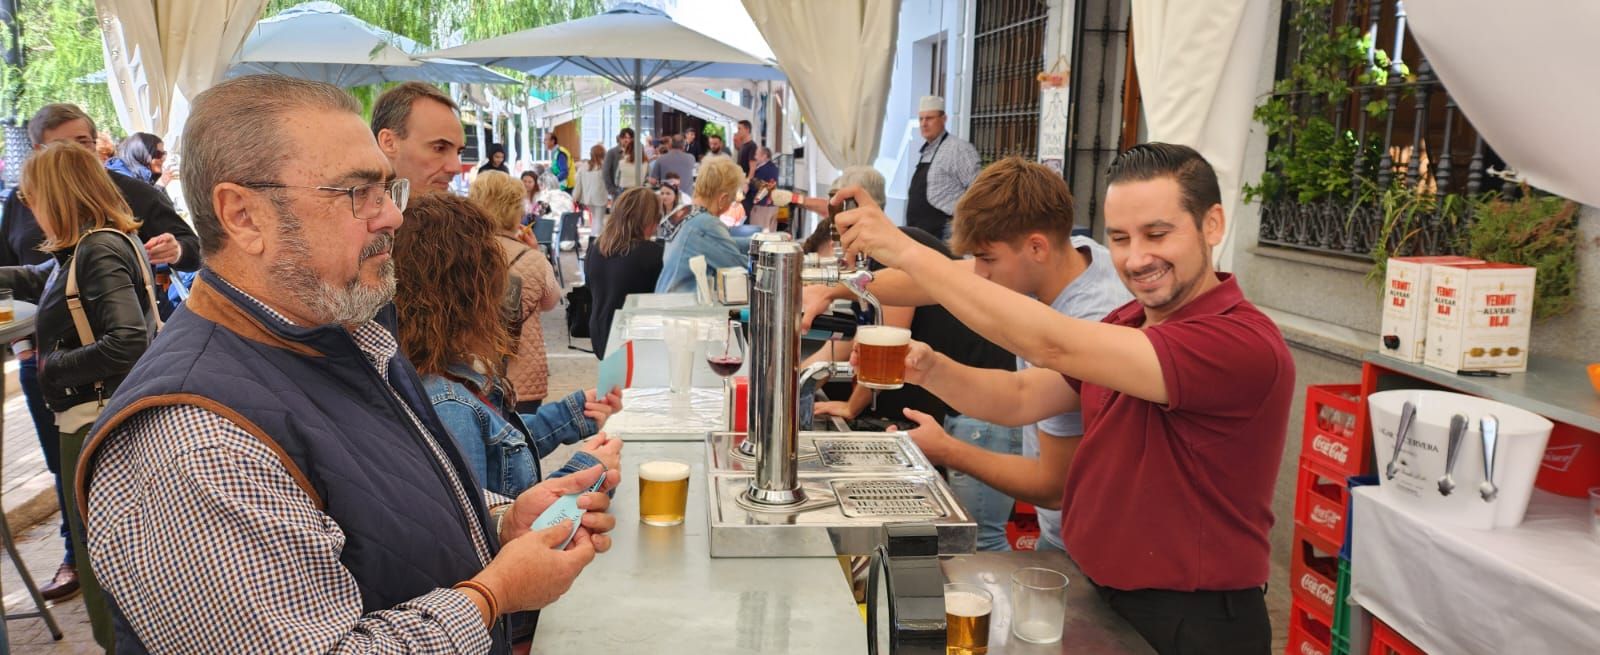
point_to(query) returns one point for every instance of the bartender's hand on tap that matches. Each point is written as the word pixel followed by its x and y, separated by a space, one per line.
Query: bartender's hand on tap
pixel 528 573
pixel 929 436
pixel 866 229
pixel 601 409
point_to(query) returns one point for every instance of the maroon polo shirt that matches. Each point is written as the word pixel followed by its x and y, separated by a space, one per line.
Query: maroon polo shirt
pixel 1179 496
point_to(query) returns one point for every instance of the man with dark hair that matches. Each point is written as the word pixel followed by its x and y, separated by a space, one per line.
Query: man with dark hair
pixel 417 129
pixel 745 143
pixel 560 161
pixel 608 168
pixel 1167 500
pixel 692 144
pixel 273 458
pixel 167 240
pixel 716 149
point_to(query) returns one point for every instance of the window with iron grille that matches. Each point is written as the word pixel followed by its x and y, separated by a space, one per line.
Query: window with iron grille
pixel 1007 56
pixel 1369 154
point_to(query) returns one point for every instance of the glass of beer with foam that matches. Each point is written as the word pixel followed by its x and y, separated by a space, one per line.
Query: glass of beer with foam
pixel 881 356
pixel 966 615
pixel 663 492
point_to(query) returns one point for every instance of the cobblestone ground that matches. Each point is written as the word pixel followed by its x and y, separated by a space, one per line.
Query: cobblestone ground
pixel 41 549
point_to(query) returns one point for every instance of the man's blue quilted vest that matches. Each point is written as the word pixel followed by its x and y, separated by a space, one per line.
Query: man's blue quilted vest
pixel 319 401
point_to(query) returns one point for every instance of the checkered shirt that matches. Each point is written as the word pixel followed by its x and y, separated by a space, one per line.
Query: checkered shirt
pixel 208 545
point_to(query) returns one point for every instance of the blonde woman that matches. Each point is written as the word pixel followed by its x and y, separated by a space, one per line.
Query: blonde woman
pixel 624 261
pixel 590 192
pixel 73 198
pixel 532 289
pixel 715 189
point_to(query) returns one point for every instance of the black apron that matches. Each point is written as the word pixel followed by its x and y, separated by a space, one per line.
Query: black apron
pixel 919 212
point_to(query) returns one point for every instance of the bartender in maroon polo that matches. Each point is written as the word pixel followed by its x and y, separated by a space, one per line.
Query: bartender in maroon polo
pixel 1185 397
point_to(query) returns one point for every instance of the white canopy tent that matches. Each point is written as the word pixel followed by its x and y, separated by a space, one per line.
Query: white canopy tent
pixel 1525 94
pixel 157 65
pixel 321 41
pixel 838 56
pixel 635 46
pixel 1182 48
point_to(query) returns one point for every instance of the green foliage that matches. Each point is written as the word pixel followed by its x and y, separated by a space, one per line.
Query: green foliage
pixel 1310 159
pixel 1536 230
pixel 1403 209
pixel 60 44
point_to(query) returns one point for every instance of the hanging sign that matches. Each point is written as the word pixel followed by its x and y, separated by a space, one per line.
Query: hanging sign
pixel 1054 99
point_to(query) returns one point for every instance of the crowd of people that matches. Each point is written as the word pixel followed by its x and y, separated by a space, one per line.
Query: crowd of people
pixel 336 444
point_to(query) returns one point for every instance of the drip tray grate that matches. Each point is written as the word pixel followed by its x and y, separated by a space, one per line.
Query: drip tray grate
pixel 886 498
pixel 858 453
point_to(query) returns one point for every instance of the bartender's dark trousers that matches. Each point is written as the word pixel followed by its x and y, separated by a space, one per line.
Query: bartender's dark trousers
pixel 1196 622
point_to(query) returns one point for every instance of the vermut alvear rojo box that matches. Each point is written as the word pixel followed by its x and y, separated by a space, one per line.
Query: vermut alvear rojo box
pixel 1406 295
pixel 1479 317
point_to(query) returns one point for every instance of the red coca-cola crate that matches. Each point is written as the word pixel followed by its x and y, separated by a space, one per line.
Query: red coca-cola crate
pixel 1314 571
pixel 1321 501
pixel 1310 631
pixel 1385 641
pixel 1022 531
pixel 1336 434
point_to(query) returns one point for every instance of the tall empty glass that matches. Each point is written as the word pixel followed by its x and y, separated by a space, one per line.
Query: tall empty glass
pixel 682 337
pixel 1038 605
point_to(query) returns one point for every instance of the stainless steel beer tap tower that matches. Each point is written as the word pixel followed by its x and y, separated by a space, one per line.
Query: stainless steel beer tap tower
pixel 777 278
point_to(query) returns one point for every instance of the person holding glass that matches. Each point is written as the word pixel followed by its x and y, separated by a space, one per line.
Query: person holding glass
pixel 450 283
pixel 84 354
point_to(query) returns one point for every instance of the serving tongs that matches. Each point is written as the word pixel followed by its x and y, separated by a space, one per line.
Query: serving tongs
pixel 1458 429
pixel 1408 412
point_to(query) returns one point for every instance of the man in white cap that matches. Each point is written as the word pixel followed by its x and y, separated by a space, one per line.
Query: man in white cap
pixel 946 168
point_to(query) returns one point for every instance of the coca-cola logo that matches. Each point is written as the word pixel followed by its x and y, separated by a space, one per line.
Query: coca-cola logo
pixel 1027 542
pixel 1560 458
pixel 1308 648
pixel 1324 516
pixel 1322 590
pixel 1333 449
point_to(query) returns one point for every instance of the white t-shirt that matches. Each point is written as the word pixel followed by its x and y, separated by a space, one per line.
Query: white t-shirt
pixel 1094 294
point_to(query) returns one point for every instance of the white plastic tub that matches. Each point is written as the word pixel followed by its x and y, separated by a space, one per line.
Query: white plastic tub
pixel 1421 464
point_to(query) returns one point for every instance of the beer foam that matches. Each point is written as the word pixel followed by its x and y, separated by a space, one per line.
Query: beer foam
pixel 882 335
pixel 663 471
pixel 966 603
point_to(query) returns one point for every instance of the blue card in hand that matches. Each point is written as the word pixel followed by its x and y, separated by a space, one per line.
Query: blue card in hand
pixel 616 370
pixel 566 509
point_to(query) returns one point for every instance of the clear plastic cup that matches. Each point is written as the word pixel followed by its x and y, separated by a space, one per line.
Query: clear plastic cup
pixel 1038 605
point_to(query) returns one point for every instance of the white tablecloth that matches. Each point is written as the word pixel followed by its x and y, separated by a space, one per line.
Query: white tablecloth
pixel 1530 589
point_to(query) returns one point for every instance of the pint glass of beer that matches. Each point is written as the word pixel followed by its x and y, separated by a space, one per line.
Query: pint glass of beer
pixel 881 354
pixel 966 615
pixel 663 492
pixel 7 310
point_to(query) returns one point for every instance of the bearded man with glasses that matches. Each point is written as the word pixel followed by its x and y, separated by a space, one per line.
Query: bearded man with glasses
pixel 273 459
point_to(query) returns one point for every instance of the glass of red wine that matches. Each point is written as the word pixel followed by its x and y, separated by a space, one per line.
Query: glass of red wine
pixel 725 354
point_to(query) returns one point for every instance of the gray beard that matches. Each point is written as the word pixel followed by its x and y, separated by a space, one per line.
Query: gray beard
pixel 354 303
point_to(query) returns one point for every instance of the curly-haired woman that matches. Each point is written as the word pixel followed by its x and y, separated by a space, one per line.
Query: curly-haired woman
pixel 450 283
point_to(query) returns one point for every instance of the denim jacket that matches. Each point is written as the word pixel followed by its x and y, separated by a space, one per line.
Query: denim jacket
pixel 504 447
pixel 699 234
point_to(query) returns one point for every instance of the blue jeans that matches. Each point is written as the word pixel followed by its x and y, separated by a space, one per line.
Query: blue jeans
pixel 44 423
pixel 989 508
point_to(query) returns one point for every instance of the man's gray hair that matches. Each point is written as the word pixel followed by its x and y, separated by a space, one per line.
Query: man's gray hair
pixel 235 134
pixel 52 116
pixel 392 111
pixel 866 177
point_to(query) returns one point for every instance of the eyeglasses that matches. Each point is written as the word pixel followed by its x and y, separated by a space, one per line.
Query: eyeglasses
pixel 366 200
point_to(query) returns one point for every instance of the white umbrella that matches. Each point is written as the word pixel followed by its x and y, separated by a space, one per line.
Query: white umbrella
pixel 320 41
pixel 635 46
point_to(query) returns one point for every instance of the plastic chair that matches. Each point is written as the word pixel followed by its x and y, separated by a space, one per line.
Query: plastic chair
pixel 544 230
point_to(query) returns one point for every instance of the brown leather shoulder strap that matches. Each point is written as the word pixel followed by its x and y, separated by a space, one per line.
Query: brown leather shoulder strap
pixel 110 424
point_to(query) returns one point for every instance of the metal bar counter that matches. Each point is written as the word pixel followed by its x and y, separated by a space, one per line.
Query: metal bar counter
pixel 659 591
pixel 1090 627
